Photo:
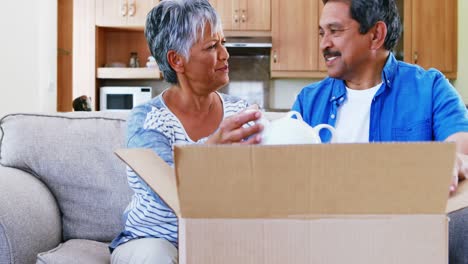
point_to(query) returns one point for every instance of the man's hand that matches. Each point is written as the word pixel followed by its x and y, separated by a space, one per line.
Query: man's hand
pixel 460 171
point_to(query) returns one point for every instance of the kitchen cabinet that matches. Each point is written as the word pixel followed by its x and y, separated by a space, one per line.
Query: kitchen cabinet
pixel 244 14
pixel 294 30
pixel 430 34
pixel 114 45
pixel 123 13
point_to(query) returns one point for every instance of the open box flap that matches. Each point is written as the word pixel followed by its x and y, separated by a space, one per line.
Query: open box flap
pixel 156 173
pixel 303 180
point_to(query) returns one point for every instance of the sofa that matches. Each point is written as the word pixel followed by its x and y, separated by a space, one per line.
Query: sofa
pixel 63 191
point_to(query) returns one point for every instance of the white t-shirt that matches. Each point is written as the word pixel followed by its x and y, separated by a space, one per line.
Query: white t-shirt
pixel 352 123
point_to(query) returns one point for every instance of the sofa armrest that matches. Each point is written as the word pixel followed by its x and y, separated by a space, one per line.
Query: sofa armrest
pixel 29 217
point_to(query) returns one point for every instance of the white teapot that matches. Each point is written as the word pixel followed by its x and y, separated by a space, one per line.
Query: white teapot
pixel 287 130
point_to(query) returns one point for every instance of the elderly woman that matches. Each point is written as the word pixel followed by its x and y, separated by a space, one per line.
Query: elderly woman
pixel 186 38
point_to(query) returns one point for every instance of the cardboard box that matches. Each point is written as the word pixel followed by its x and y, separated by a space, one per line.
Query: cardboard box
pixel 325 203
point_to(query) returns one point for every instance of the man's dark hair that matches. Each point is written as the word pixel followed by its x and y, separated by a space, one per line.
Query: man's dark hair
pixel 368 12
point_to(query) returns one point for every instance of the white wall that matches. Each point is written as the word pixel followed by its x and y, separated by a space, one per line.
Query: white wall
pixel 28 68
pixel 283 92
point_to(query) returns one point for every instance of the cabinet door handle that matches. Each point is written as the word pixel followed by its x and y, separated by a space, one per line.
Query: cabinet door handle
pixel 236 16
pixel 123 8
pixel 415 57
pixel 243 16
pixel 132 8
pixel 275 57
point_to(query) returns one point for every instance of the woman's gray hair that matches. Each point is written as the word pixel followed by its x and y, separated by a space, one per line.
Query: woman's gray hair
pixel 177 25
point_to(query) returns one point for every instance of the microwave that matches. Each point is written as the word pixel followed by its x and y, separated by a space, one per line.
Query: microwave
pixel 123 98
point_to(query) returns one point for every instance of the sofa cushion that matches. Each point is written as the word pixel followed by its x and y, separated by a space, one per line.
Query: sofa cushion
pixel 5 252
pixel 30 219
pixel 73 154
pixel 76 251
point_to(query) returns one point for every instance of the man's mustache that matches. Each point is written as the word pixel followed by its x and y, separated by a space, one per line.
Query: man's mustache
pixel 329 53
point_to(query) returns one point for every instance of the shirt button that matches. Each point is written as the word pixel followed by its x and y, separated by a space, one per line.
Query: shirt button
pixel 333 98
pixel 341 99
pixel 332 116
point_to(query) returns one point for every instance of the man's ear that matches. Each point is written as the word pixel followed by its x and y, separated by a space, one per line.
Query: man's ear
pixel 176 61
pixel 379 32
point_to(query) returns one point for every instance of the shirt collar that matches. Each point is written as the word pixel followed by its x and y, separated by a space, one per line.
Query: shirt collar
pixel 388 74
pixel 389 70
pixel 338 91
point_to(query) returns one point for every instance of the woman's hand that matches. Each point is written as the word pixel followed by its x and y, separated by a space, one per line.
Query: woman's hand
pixel 235 130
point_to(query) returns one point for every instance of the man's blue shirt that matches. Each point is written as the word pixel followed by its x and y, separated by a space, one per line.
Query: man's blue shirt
pixel 411 105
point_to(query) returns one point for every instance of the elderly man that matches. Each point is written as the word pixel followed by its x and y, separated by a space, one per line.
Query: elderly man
pixel 369 96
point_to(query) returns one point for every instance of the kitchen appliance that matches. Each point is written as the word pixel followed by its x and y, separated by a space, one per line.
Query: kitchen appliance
pixel 123 98
pixel 248 42
pixel 249 69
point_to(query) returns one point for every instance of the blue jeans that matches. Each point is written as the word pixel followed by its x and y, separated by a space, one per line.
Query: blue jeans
pixel 458 237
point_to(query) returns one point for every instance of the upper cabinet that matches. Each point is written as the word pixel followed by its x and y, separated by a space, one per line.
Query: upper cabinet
pixel 430 34
pixel 244 14
pixel 295 51
pixel 123 13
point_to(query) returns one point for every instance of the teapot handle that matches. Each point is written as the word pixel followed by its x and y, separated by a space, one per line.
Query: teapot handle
pixel 294 113
pixel 317 128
